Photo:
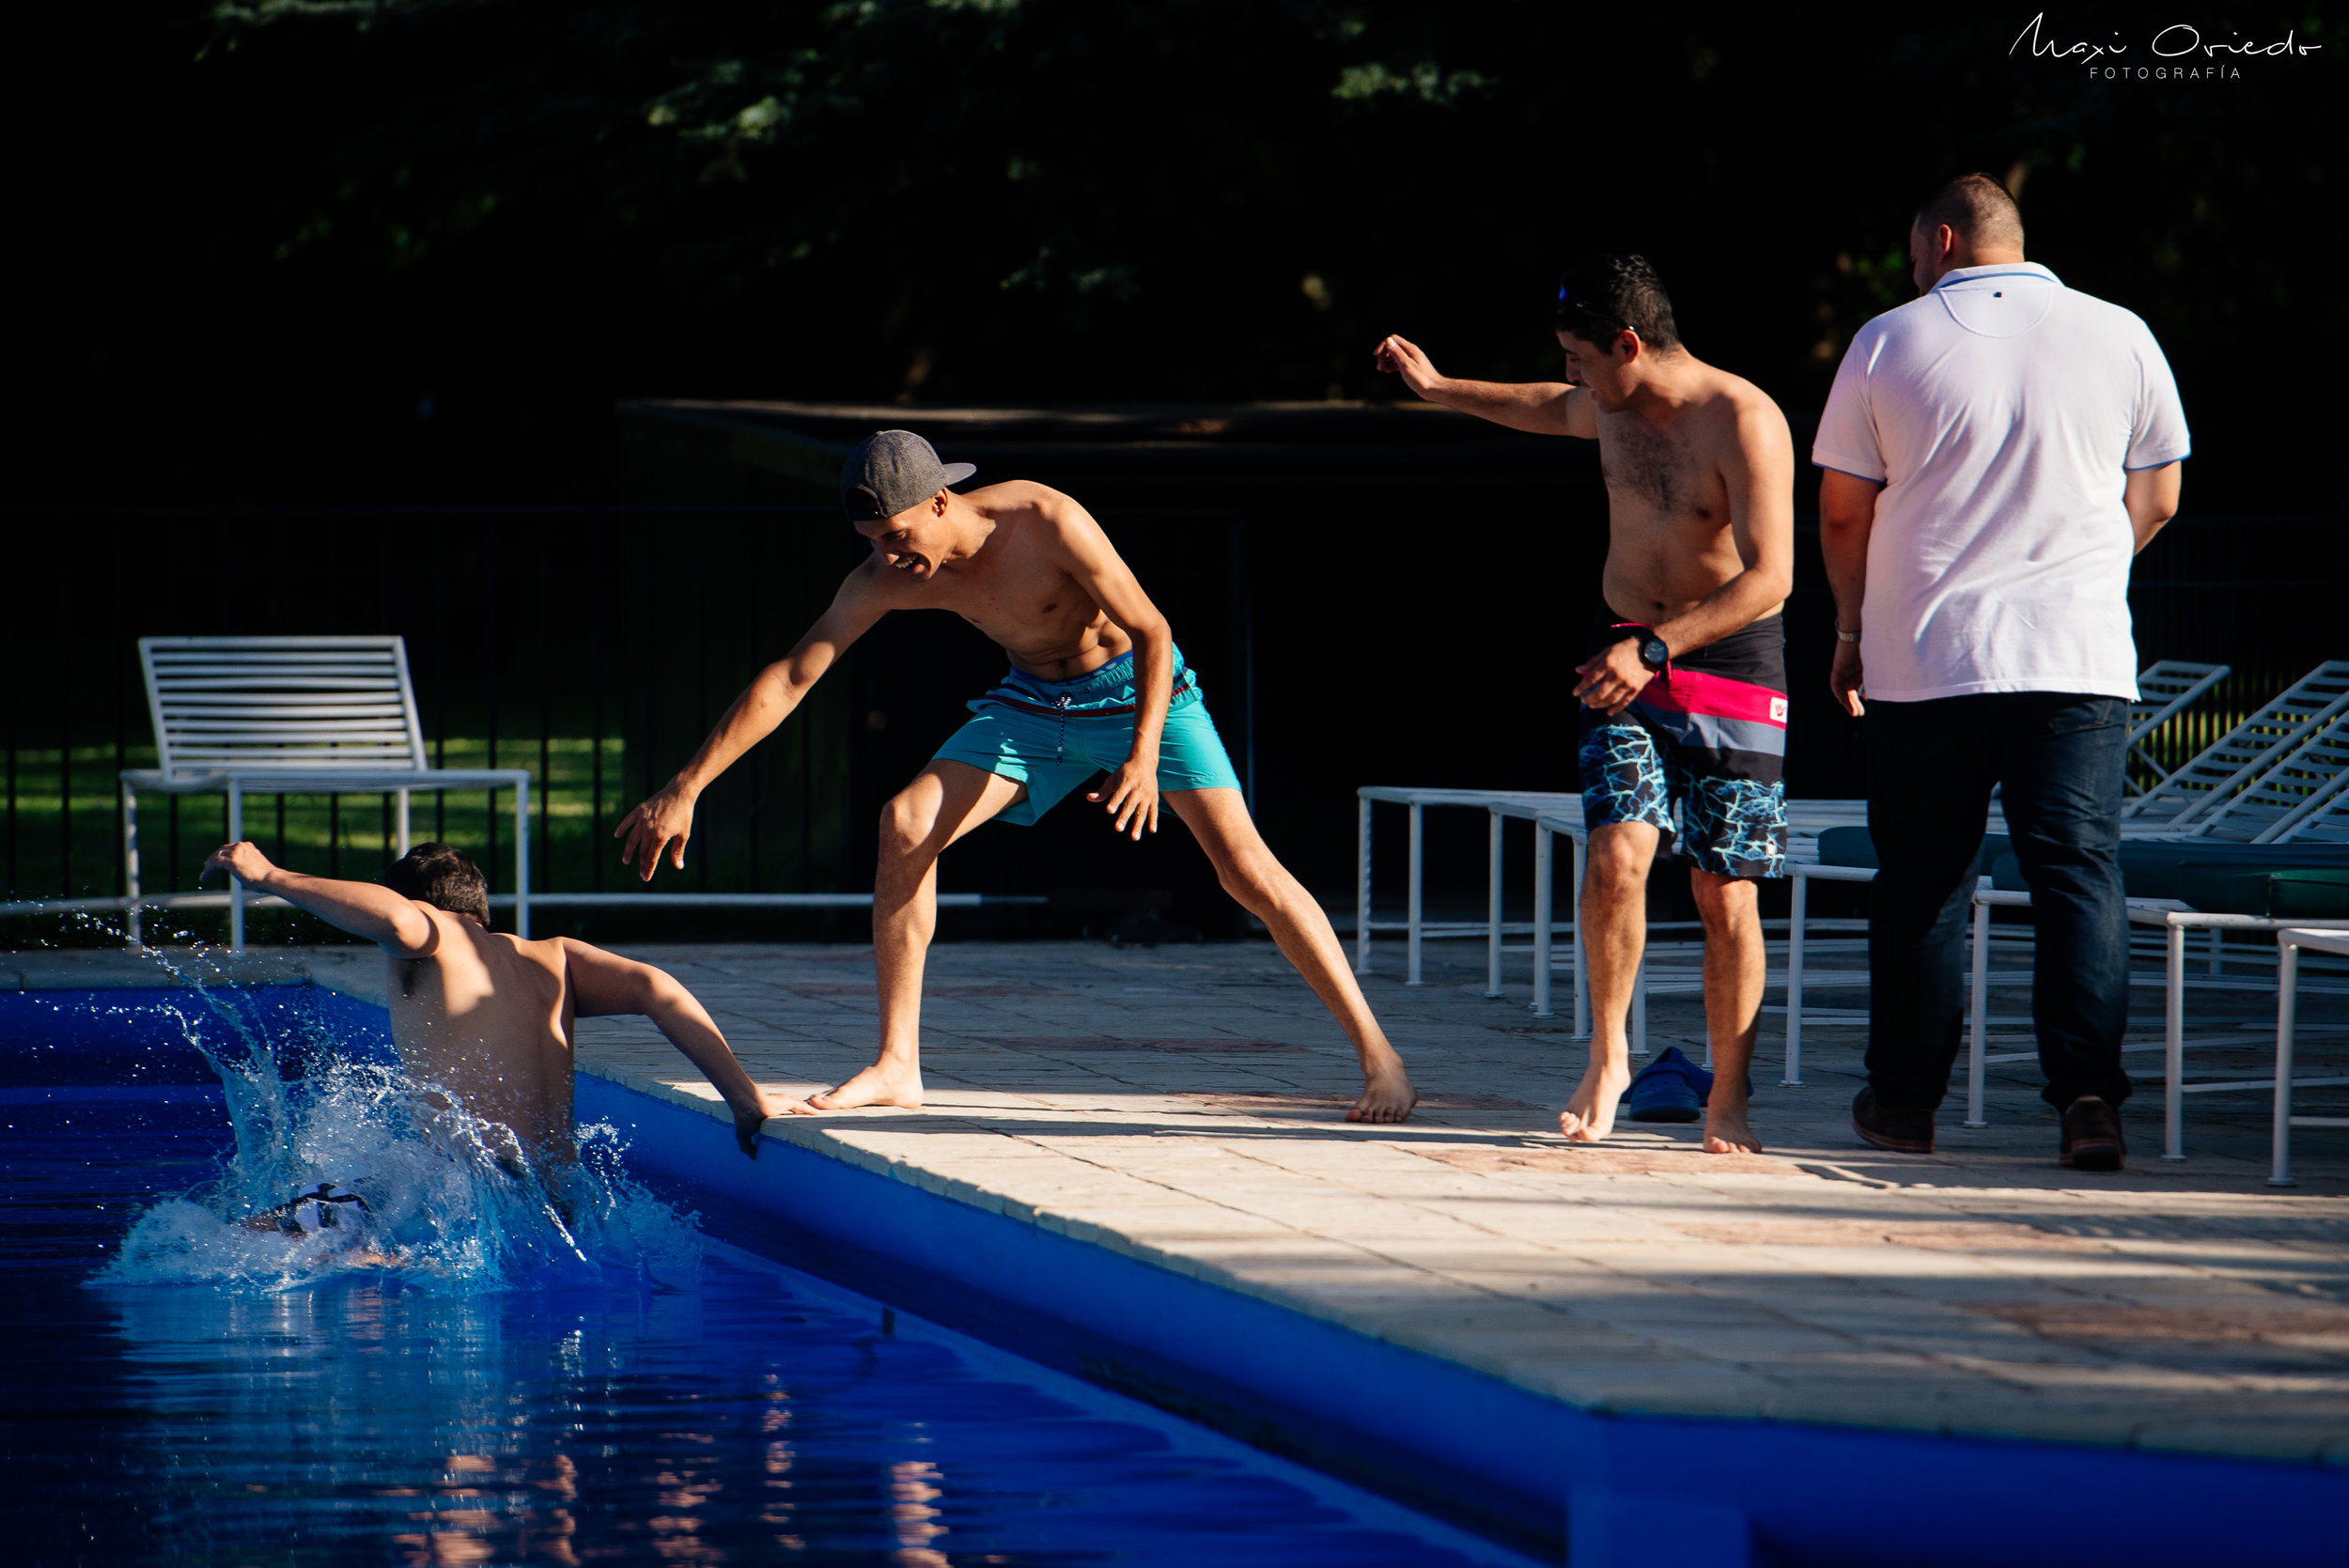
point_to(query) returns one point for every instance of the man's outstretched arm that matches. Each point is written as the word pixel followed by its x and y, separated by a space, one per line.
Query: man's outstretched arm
pixel 664 821
pixel 363 909
pixel 605 983
pixel 1543 408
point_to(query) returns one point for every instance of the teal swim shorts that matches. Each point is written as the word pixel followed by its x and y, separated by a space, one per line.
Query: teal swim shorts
pixel 1054 734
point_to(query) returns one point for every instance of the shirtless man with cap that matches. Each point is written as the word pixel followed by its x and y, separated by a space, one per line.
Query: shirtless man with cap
pixel 1684 689
pixel 1096 685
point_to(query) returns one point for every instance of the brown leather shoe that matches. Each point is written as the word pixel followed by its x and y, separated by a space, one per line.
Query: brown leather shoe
pixel 1907 1132
pixel 2092 1136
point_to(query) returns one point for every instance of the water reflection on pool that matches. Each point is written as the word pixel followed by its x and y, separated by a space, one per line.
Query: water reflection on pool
pixel 746 1413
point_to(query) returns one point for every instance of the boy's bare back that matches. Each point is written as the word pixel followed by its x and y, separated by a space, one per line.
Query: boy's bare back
pixel 488 1016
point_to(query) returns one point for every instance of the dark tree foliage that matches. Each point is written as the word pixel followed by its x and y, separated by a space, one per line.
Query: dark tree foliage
pixel 306 249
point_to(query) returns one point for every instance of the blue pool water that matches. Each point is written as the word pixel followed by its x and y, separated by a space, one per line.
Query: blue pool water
pixel 462 1380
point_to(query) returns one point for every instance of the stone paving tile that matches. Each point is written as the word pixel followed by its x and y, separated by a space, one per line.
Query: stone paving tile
pixel 1979 1290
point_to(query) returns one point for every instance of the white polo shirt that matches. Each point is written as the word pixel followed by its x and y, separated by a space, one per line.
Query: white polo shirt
pixel 1999 411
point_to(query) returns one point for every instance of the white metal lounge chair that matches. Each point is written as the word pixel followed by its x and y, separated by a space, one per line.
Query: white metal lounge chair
pixel 2188 799
pixel 2309 790
pixel 2166 688
pixel 294 715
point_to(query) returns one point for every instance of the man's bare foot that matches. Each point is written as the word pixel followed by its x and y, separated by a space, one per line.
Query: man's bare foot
pixel 1591 1114
pixel 1725 1129
pixel 1387 1096
pixel 882 1083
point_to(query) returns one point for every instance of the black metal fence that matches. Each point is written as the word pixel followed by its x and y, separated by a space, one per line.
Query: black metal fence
pixel 595 647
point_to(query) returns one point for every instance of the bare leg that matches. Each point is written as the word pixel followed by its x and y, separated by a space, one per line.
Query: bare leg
pixel 1219 819
pixel 945 800
pixel 1614 935
pixel 1734 969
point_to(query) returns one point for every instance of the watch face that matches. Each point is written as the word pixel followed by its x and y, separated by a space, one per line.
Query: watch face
pixel 1654 654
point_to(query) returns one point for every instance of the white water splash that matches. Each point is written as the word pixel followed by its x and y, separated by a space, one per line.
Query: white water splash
pixel 452 1202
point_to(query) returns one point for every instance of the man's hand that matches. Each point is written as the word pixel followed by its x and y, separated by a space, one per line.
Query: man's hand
pixel 1400 356
pixel 664 822
pixel 1610 680
pixel 1847 678
pixel 242 860
pixel 1132 793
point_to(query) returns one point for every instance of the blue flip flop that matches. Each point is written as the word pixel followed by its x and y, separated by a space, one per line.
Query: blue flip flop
pixel 1671 1088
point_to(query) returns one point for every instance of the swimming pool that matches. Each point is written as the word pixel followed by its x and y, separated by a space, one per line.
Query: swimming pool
pixel 689 1402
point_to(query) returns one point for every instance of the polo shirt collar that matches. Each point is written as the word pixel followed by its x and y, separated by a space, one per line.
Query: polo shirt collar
pixel 1996 269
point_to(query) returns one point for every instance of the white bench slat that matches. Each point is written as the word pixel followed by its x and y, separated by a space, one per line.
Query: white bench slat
pixel 286 704
pixel 294 761
pixel 275 662
pixel 257 721
pixel 257 646
pixel 273 680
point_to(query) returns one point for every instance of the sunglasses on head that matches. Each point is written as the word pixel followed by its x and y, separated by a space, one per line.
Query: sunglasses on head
pixel 1570 307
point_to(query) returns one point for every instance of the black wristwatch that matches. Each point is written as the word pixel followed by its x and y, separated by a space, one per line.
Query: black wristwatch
pixel 1653 653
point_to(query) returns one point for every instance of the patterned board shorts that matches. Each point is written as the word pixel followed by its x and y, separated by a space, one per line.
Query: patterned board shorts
pixel 1729 827
pixel 1707 736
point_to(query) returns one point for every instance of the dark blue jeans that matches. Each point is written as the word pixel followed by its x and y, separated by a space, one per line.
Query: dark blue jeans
pixel 1931 768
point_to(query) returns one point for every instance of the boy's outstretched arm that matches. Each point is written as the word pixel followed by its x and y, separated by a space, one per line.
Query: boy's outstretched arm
pixel 363 909
pixel 605 983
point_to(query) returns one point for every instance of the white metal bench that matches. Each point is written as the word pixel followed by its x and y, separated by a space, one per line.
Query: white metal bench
pixel 2291 942
pixel 293 715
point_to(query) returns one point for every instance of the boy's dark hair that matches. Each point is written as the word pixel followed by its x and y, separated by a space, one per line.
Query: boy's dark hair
pixel 1597 299
pixel 442 875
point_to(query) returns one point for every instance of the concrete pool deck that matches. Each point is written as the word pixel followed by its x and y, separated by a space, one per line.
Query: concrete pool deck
pixel 1182 1107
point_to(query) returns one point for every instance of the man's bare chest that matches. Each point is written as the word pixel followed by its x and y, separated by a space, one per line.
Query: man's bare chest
pixel 1662 476
pixel 1013 601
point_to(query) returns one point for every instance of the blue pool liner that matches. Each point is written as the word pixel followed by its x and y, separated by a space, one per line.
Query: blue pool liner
pixel 135 1036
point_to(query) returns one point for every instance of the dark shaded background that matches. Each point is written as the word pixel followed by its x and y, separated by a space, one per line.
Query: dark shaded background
pixel 414 252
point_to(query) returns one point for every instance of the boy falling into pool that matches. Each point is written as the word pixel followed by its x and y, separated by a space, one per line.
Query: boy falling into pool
pixel 1096 685
pixel 486 1016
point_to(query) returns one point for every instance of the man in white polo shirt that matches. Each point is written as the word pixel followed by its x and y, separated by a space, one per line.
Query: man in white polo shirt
pixel 1995 452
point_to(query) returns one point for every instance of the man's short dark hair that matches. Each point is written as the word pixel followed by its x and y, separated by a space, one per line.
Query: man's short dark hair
pixel 1599 299
pixel 1978 209
pixel 443 875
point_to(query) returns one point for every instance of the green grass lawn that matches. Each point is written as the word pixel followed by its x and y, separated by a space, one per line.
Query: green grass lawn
pixel 351 835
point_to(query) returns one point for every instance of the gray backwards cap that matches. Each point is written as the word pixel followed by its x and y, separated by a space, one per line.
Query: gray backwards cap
pixel 892 472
